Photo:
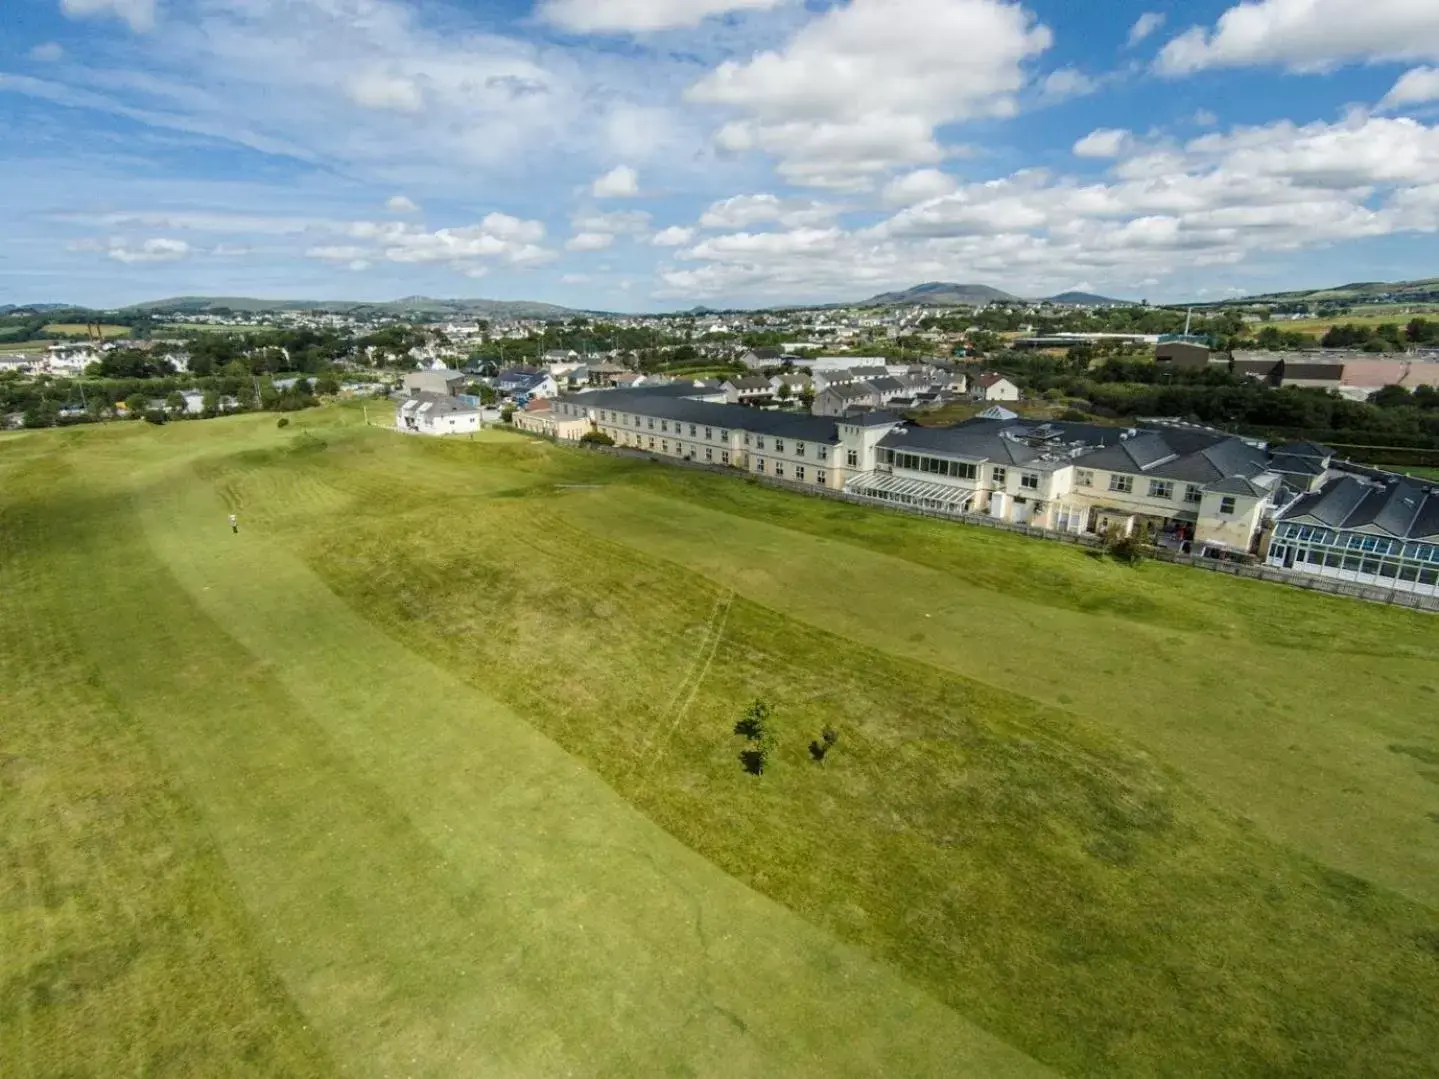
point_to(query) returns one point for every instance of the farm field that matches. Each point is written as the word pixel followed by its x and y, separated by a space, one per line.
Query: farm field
pixel 431 770
pixel 1320 326
pixel 79 329
pixel 24 346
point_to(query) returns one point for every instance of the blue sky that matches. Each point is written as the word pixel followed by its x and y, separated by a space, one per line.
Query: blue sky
pixel 657 154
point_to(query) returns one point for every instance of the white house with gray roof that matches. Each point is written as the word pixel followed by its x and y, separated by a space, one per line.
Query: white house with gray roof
pixel 437 414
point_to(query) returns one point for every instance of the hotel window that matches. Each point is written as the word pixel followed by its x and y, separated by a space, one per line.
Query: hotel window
pixel 651 423
pixel 758 443
pixel 1192 494
pixel 1123 484
pixel 1084 478
pixel 746 438
pixel 822 453
pixel 852 459
pixel 664 447
pixel 779 468
pixel 799 449
pixel 692 430
pixel 820 478
pixel 724 436
pixel 799 473
pixel 779 445
pixel 1161 489
pixel 1029 481
pixel 664 425
pixel 709 454
pixel 724 457
pixel 709 434
pixel 963 471
pixel 1000 475
pixel 1226 506
pixel 652 442
pixel 759 464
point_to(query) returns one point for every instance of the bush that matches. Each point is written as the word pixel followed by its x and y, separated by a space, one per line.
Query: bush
pixel 283 421
pixel 1131 548
pixel 156 416
pixel 597 438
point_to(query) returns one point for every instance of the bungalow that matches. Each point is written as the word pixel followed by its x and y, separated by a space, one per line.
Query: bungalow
pixel 992 386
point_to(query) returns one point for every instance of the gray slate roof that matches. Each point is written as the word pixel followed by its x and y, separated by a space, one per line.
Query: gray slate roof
pixel 1189 456
pixel 1400 508
pixel 795 425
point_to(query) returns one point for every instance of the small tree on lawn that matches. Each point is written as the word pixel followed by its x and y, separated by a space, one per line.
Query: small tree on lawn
pixel 754 725
pixel 820 747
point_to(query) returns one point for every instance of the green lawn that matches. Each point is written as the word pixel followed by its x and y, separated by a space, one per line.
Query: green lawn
pixel 431 771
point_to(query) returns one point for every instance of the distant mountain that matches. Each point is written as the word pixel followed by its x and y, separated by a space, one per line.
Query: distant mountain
pixel 410 305
pixel 942 294
pixel 1087 299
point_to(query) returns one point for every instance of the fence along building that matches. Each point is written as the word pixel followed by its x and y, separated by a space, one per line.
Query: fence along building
pixel 1188 484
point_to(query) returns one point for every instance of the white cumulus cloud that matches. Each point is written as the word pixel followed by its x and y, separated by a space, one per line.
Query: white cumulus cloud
pixel 861 88
pixel 674 236
pixel 399 204
pixel 639 16
pixel 48 52
pixel 590 241
pixel 1307 35
pixel 139 14
pixel 621 182
pixel 1065 83
pixel 1105 142
pixel 1144 26
pixel 918 186
pixel 1414 87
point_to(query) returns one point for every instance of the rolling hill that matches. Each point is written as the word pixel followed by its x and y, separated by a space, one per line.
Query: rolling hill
pixel 410 305
pixel 943 293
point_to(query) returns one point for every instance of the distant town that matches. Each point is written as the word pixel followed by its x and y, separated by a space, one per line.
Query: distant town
pixel 1297 434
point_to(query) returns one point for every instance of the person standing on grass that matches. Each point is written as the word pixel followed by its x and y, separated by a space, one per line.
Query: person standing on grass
pixel 234 524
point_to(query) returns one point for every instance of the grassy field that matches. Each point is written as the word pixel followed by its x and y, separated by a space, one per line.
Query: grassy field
pixel 25 346
pixel 1320 326
pixel 79 329
pixel 431 770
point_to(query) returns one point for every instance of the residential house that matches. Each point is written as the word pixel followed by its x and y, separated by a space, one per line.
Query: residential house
pixel 837 400
pixel 527 384
pixel 604 374
pixel 992 386
pixel 747 390
pixel 443 381
pixel 798 383
pixel 758 358
pixel 429 413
